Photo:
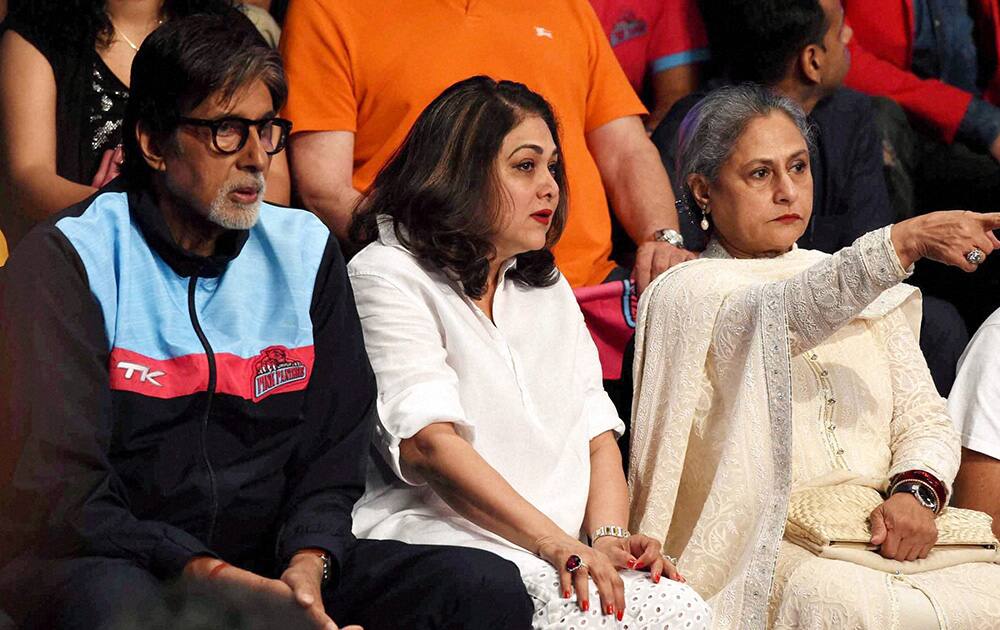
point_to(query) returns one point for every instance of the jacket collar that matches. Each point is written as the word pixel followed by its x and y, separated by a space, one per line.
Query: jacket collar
pixel 147 215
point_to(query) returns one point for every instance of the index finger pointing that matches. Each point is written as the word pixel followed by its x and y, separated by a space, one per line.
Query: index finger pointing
pixel 990 220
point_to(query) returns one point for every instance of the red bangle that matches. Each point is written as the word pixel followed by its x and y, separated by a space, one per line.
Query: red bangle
pixel 937 486
pixel 217 569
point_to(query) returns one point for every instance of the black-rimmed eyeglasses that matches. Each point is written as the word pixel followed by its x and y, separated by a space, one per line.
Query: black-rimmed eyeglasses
pixel 230 134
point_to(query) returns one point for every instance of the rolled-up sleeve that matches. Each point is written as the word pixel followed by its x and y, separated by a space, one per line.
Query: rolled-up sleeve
pixel 599 412
pixel 416 385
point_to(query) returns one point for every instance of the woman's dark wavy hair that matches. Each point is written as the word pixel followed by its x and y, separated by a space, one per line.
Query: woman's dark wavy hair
pixel 75 22
pixel 441 187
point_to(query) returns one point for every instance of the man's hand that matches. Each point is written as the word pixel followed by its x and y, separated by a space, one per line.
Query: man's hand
pixel 299 583
pixel 304 576
pixel 905 529
pixel 205 568
pixel 653 258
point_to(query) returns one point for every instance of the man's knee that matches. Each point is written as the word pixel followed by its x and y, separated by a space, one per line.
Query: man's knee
pixel 490 593
pixel 90 593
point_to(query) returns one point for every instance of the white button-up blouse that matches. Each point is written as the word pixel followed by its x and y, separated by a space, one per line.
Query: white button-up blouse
pixel 524 389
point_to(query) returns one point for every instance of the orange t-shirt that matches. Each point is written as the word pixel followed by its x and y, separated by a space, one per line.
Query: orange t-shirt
pixel 371 66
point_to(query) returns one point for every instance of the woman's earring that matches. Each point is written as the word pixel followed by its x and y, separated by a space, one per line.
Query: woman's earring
pixel 704 218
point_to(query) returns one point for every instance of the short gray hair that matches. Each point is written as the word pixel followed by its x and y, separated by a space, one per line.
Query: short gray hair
pixel 710 130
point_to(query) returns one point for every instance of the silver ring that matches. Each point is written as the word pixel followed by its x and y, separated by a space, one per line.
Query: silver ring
pixel 976 256
pixel 672 560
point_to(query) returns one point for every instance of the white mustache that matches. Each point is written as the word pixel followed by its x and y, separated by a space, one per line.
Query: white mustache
pixel 257 182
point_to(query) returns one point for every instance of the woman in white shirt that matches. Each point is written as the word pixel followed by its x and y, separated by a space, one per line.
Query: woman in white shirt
pixel 494 429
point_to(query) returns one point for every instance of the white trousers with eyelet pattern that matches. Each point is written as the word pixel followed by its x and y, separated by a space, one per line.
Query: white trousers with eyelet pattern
pixel 648 605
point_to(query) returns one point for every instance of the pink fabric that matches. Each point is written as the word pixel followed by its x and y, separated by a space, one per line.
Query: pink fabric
pixel 609 310
pixel 649 36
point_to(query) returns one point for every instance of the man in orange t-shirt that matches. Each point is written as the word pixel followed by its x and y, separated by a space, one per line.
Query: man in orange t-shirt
pixel 360 73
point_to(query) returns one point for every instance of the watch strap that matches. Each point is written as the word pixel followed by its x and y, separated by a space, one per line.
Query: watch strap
pixel 936 485
pixel 325 558
pixel 921 491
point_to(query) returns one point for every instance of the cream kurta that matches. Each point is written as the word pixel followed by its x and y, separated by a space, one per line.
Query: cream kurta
pixel 863 408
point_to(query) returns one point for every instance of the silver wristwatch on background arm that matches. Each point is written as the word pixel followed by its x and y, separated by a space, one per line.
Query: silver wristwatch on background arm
pixel 669 235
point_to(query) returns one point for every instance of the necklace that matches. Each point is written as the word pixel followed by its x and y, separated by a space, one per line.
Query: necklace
pixel 128 41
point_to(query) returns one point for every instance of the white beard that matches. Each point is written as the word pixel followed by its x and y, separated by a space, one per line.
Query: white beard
pixel 231 215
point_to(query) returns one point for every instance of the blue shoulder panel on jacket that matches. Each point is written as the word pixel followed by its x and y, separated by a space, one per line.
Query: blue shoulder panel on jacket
pixel 262 299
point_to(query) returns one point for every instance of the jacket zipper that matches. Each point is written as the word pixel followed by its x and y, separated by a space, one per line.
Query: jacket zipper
pixel 210 355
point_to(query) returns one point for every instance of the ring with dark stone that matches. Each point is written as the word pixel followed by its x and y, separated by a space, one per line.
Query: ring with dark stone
pixel 574 563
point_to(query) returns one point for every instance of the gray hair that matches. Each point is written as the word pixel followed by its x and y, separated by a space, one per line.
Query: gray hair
pixel 710 130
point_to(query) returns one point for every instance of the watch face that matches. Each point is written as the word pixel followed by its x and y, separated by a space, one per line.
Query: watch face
pixel 922 494
pixel 926 496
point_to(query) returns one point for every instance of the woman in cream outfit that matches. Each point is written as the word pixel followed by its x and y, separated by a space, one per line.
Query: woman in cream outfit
pixel 762 369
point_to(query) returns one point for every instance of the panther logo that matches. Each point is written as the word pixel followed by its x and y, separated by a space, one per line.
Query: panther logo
pixel 273 369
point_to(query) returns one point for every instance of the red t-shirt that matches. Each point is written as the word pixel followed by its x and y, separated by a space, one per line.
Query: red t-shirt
pixel 653 35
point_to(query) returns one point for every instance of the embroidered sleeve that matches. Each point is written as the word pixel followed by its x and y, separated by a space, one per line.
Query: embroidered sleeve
pixel 922 435
pixel 818 300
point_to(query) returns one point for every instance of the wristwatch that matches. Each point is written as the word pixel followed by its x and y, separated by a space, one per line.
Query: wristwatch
pixel 324 558
pixel 671 236
pixel 609 530
pixel 924 495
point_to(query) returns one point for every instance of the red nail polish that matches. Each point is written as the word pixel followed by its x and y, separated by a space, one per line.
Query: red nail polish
pixel 565 594
pixel 610 609
pixel 656 579
pixel 585 605
pixel 621 615
pixel 640 565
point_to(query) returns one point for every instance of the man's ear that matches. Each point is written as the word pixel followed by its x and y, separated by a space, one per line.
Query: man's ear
pixel 151 147
pixel 698 184
pixel 811 61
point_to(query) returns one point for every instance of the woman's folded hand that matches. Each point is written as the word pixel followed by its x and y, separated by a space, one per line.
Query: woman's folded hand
pixel 558 551
pixel 638 552
pixel 904 529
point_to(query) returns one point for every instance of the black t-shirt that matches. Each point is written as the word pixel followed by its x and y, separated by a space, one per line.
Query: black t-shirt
pixel 90 105
pixel 90 101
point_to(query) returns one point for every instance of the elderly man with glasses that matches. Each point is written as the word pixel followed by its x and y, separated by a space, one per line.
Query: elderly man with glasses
pixel 184 389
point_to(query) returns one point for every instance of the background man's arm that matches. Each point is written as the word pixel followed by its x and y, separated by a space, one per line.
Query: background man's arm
pixel 322 164
pixel 639 191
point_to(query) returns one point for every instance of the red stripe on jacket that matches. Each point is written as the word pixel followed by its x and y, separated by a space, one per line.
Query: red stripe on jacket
pixel 276 369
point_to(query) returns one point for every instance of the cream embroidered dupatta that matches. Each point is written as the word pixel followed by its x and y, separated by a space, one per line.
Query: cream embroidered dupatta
pixel 710 467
